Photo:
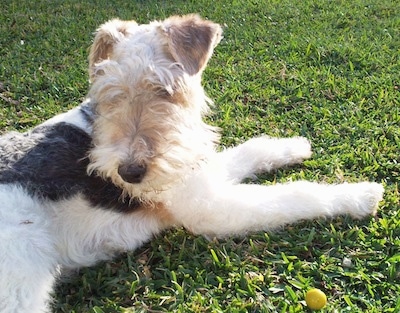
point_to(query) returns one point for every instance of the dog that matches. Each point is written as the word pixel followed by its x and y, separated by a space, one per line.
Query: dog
pixel 136 158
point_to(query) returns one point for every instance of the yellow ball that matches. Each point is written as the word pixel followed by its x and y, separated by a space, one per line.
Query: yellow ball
pixel 315 299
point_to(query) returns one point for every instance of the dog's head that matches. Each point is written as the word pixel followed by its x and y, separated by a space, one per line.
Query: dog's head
pixel 149 102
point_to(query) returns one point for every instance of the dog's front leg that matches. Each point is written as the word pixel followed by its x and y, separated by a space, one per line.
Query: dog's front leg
pixel 218 209
pixel 262 154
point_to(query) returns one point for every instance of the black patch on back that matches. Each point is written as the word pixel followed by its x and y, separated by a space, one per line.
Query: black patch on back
pixel 51 161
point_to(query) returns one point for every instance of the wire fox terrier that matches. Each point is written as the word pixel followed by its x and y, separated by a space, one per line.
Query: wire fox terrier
pixel 136 158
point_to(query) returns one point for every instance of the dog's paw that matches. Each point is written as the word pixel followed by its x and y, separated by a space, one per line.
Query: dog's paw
pixel 366 198
pixel 271 153
pixel 297 149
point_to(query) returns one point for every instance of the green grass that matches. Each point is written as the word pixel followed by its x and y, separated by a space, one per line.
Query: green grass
pixel 327 70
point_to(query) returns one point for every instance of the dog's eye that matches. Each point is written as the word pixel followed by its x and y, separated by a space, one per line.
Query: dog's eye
pixel 164 92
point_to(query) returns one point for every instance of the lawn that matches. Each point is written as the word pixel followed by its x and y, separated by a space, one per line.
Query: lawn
pixel 326 70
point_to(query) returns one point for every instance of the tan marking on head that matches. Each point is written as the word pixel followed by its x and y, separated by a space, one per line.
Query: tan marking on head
pixel 192 40
pixel 107 35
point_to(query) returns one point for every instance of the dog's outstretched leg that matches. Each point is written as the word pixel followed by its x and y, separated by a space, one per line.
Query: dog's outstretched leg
pixel 263 154
pixel 206 206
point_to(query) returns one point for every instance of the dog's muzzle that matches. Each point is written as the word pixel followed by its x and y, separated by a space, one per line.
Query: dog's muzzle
pixel 132 173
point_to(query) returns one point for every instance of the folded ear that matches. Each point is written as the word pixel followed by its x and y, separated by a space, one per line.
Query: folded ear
pixel 191 40
pixel 107 35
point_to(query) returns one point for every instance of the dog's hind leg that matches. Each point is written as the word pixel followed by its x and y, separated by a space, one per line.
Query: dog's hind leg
pixel 27 270
pixel 210 207
pixel 28 263
pixel 262 154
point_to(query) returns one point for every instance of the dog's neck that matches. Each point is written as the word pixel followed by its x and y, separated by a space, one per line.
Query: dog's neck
pixel 88 111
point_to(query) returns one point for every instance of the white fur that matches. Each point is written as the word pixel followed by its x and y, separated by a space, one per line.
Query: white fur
pixel 28 262
pixel 86 236
pixel 221 206
pixel 73 116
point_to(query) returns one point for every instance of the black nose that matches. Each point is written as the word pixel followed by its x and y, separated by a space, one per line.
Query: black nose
pixel 132 173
